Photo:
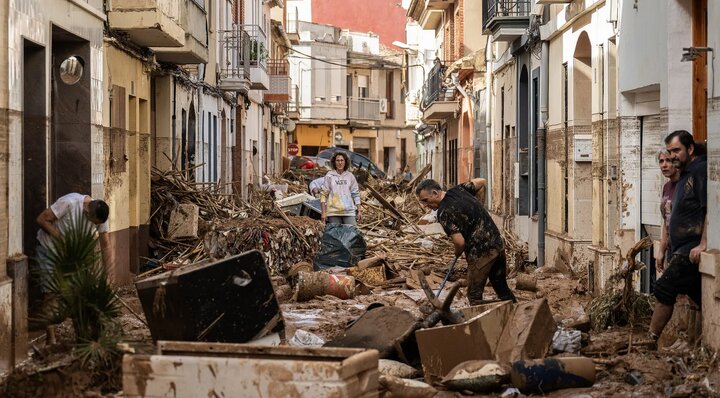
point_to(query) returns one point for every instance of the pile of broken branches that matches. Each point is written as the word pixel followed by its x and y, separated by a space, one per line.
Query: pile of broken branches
pixel 273 236
pixel 169 189
pixel 622 306
pixel 225 227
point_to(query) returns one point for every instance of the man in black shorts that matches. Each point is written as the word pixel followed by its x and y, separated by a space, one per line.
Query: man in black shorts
pixel 472 231
pixel 687 230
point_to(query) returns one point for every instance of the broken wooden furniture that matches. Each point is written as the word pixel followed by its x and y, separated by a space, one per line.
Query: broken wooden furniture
pixel 241 370
pixel 230 300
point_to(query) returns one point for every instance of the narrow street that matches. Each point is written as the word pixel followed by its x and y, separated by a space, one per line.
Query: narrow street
pixel 375 198
pixel 396 250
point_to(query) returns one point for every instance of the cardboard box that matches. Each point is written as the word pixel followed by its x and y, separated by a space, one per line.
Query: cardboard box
pixel 443 347
pixel 498 331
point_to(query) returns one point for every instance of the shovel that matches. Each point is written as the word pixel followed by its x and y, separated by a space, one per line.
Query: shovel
pixel 450 270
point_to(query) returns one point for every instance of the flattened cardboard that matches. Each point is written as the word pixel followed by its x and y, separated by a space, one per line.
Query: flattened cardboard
pixel 444 347
pixel 527 335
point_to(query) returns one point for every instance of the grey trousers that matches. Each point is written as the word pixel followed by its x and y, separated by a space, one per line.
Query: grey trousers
pixel 341 220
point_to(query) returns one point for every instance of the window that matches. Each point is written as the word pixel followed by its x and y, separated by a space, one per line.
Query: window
pixel 452 161
pixel 309 150
pixel 362 86
pixel 214 150
pixel 118 107
pixel 389 94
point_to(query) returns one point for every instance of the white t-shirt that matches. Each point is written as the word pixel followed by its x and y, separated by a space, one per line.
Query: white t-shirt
pixel 64 209
pixel 316 183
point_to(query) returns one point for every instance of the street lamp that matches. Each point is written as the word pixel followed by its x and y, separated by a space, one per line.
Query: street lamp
pixel 404 46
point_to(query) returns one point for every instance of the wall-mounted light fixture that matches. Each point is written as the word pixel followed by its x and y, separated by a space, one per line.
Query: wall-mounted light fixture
pixel 691 53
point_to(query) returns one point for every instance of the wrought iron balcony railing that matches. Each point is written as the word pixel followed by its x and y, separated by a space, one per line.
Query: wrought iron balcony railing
pixel 234 50
pixel 434 87
pixel 278 67
pixel 505 8
pixel 241 47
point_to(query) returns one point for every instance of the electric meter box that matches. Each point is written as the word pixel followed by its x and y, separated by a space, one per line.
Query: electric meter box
pixel 583 148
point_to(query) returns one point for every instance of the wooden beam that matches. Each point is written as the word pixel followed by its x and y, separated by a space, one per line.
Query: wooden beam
pixel 699 71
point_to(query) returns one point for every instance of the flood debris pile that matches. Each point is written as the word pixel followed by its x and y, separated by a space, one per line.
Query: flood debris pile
pixel 173 196
pixel 191 223
pixel 273 236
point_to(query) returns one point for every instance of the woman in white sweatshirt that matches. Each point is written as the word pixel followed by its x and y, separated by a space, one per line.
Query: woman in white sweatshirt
pixel 340 195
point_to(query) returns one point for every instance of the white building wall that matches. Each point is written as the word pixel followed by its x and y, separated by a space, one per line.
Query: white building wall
pixel 303 8
pixel 654 85
pixel 33 20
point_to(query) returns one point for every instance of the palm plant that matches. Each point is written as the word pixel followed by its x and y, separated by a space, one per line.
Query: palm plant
pixel 77 286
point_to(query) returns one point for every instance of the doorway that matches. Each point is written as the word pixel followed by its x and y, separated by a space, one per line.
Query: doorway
pixel 34 147
pixel 70 128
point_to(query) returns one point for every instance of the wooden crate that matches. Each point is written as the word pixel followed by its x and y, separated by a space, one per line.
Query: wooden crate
pixel 188 369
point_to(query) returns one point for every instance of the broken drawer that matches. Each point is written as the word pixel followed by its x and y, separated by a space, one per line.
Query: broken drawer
pixel 189 369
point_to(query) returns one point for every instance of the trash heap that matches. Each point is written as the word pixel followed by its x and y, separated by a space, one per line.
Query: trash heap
pixel 273 236
pixel 192 222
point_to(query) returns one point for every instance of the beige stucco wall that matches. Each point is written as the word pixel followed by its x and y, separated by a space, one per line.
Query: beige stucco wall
pixel 503 180
pixel 128 193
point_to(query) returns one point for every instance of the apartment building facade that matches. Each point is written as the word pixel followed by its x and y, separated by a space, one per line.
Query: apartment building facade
pixel 453 102
pixel 350 97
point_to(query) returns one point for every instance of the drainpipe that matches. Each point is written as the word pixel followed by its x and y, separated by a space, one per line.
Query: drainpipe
pixel 173 129
pixel 488 121
pixel 540 137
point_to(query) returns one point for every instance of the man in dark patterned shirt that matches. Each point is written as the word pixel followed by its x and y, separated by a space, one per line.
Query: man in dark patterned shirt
pixel 687 230
pixel 472 230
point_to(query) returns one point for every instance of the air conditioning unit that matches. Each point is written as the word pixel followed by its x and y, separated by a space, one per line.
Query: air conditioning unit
pixel 383 105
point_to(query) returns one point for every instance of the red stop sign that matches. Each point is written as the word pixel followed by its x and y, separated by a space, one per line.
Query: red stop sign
pixel 293 149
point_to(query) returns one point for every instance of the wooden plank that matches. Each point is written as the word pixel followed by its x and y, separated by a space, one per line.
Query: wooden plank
pixel 230 349
pixel 398 215
pixel 699 71
pixel 420 175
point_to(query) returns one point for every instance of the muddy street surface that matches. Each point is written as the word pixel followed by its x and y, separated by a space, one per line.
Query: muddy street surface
pixel 403 248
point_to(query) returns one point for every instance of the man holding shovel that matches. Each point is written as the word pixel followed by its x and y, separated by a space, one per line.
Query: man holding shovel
pixel 466 221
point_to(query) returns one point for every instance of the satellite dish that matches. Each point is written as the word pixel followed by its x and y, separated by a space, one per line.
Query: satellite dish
pixel 289 125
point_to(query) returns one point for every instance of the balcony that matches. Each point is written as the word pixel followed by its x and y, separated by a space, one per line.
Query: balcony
pixel 506 20
pixel 234 72
pixel 194 49
pixel 279 90
pixel 438 101
pixel 428 13
pixel 148 23
pixel 363 108
pixel 241 47
pixel 292 25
